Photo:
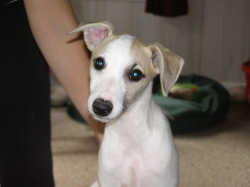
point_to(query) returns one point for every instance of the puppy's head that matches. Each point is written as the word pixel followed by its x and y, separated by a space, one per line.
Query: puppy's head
pixel 121 68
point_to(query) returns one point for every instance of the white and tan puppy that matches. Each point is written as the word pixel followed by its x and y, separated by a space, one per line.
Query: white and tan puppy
pixel 137 148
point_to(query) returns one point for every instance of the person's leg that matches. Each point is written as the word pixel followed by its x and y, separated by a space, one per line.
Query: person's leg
pixel 25 147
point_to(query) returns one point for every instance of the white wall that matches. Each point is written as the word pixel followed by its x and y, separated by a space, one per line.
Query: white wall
pixel 214 38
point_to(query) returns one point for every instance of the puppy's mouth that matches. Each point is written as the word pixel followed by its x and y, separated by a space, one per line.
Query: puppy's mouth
pixel 106 119
pixel 101 118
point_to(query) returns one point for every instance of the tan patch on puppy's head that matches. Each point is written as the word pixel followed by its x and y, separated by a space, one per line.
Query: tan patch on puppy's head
pixel 141 56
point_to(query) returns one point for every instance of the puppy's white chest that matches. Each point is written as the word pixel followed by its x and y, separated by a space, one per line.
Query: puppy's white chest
pixel 135 164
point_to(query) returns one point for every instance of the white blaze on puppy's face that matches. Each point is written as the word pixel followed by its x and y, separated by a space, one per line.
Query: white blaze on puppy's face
pixel 109 83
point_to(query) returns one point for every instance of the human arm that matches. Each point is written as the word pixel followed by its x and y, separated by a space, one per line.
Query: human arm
pixel 50 20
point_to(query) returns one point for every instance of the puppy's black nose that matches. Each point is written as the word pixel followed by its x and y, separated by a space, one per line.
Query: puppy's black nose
pixel 102 107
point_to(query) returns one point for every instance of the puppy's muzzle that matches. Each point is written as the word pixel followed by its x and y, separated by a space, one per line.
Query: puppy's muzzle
pixel 101 107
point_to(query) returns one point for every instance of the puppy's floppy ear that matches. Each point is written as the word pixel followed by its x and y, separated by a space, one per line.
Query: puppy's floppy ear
pixel 94 33
pixel 167 64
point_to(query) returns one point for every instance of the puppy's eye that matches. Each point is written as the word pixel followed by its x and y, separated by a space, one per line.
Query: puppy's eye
pixel 99 63
pixel 135 75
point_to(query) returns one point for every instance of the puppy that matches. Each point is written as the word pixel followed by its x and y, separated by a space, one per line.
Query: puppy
pixel 137 148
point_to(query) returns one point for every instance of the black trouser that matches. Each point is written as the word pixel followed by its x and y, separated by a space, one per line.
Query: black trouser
pixel 25 150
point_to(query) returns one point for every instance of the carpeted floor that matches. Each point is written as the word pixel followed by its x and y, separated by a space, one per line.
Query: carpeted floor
pixel 218 157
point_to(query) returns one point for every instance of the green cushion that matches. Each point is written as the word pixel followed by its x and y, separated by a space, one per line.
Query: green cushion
pixel 189 116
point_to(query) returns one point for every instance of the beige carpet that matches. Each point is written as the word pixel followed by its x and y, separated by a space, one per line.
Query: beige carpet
pixel 219 157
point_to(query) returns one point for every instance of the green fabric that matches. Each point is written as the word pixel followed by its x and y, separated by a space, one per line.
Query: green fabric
pixel 188 116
